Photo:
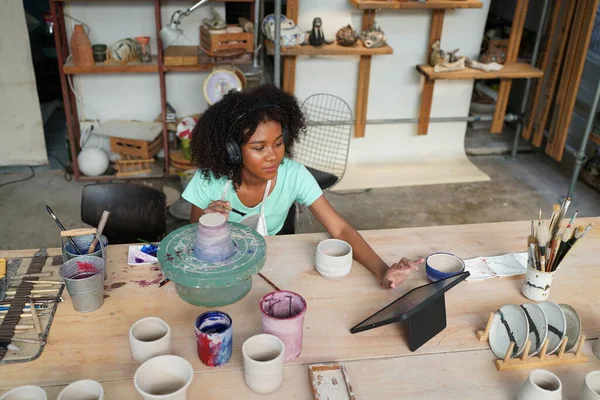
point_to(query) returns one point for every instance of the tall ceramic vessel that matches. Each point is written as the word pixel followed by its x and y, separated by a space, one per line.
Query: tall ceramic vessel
pixel 81 48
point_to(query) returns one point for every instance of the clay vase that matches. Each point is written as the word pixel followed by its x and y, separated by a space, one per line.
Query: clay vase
pixel 81 48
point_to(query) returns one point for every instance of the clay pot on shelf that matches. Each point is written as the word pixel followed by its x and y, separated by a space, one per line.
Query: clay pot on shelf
pixel 81 48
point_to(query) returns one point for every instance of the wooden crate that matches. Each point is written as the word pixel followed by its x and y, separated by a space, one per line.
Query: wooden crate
pixel 136 148
pixel 133 167
pixel 215 44
pixel 181 55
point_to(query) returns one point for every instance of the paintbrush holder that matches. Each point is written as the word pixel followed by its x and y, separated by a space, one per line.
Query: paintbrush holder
pixel 83 243
pixel 537 284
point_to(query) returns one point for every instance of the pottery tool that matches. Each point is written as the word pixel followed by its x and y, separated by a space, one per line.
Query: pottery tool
pixel 46 282
pixel 164 282
pixel 62 228
pixel 101 225
pixel 36 319
pixel 33 275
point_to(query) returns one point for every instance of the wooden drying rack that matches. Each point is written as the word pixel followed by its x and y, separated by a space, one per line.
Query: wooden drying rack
pixel 541 360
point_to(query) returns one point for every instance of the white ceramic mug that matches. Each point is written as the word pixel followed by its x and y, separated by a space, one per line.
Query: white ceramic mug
pixel 25 393
pixel 149 337
pixel 591 386
pixel 540 385
pixel 263 363
pixel 85 389
pixel 333 259
pixel 164 378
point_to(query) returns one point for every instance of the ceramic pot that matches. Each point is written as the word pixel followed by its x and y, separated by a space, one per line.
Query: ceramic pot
pixel 540 385
pixel 537 284
pixel 333 259
pixel 591 386
pixel 25 393
pixel 282 315
pixel 81 48
pixel 164 378
pixel 82 390
pixel 443 265
pixel 263 363
pixel 99 52
pixel 214 338
pixel 213 238
pixel 149 337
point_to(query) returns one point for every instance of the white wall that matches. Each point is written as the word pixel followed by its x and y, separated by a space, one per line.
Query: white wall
pixel 21 128
pixel 394 90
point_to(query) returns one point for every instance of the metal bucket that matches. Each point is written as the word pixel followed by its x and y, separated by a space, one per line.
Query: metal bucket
pixel 84 278
pixel 83 244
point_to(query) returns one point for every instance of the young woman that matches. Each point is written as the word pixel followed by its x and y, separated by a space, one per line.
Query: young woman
pixel 242 147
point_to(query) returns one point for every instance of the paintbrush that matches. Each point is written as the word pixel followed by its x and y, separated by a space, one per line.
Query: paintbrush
pixel 8 346
pixel 533 242
pixel 99 230
pixel 36 318
pixel 542 238
pixel 62 228
pixel 164 282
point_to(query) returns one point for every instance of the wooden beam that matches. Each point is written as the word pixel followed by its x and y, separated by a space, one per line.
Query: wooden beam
pixel 516 32
pixel 364 78
pixel 557 146
pixel 435 33
pixel 553 74
pixel 289 63
pixel 539 84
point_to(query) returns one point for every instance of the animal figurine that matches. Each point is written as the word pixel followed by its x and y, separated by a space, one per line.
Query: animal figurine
pixel 216 22
pixel 291 34
pixel 373 38
pixel 346 36
pixel 452 56
pixel 317 37
pixel 437 55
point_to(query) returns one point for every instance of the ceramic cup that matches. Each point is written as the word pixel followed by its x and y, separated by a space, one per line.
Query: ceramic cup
pixel 596 348
pixel 591 386
pixel 540 385
pixel 443 265
pixel 214 338
pixel 164 378
pixel 149 337
pixel 82 390
pixel 25 393
pixel 333 259
pixel 537 284
pixel 282 315
pixel 263 363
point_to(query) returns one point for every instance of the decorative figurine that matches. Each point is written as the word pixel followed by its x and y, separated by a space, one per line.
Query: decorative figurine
pixel 317 37
pixel 437 55
pixel 291 34
pixel 373 38
pixel 216 22
pixel 346 36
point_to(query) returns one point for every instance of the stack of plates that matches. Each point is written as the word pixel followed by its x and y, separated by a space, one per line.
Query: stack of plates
pixel 179 162
pixel 534 322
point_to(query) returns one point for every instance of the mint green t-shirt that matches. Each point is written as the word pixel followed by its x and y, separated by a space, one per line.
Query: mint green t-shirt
pixel 294 184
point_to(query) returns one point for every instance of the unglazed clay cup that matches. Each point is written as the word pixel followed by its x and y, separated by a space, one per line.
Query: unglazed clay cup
pixel 263 363
pixel 333 259
pixel 149 337
pixel 85 389
pixel 164 378
pixel 540 385
pixel 591 386
pixel 25 393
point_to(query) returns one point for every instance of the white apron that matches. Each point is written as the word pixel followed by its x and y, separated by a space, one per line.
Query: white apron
pixel 254 221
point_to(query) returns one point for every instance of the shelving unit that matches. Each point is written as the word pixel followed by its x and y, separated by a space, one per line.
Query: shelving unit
pixel 67 68
pixel 414 5
pixel 512 71
pixel 333 49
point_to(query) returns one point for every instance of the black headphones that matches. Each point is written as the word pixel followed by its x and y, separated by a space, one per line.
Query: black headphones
pixel 234 152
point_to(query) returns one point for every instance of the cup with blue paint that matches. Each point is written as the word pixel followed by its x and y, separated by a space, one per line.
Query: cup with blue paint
pixel 214 338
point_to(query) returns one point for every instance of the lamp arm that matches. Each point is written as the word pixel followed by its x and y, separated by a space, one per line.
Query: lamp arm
pixel 192 8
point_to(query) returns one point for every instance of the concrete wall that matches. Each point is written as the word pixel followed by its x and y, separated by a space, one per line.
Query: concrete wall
pixel 21 129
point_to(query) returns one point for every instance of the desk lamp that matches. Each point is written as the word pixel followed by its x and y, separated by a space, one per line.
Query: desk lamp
pixel 169 33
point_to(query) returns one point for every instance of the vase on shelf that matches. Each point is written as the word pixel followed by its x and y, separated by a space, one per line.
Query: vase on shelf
pixel 81 48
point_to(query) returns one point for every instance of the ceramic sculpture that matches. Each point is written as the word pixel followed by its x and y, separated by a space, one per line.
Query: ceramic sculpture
pixel 317 37
pixel 373 38
pixel 213 239
pixel 346 36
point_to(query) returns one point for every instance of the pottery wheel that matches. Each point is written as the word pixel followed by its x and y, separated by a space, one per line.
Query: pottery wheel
pixel 179 264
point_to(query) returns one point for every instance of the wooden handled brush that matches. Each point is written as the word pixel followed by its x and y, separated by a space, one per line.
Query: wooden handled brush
pixel 101 226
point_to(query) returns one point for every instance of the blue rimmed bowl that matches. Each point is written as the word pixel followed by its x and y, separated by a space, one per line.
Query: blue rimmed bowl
pixel 443 265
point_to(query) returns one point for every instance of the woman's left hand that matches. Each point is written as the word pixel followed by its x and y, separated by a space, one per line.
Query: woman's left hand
pixel 398 272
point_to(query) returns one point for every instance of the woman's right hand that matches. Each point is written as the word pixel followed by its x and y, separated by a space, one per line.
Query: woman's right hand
pixel 219 206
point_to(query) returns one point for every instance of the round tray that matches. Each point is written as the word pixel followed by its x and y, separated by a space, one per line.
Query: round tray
pixel 212 284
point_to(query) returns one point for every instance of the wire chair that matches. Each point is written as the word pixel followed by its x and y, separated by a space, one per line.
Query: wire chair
pixel 324 148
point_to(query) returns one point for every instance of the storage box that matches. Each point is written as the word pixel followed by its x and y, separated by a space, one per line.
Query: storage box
pixel 136 148
pixel 214 44
pixel 181 55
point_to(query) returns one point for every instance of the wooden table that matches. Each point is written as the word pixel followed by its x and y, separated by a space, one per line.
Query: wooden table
pixel 451 365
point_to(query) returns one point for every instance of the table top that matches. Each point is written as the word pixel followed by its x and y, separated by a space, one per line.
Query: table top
pixel 96 345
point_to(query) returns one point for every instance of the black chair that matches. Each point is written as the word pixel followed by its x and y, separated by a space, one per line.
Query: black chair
pixel 136 211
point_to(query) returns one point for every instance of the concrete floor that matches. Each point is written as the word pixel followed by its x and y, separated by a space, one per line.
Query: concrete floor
pixel 517 190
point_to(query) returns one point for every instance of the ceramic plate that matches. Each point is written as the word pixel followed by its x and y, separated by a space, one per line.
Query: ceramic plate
pixel 181 209
pixel 573 329
pixel 509 325
pixel 556 324
pixel 538 327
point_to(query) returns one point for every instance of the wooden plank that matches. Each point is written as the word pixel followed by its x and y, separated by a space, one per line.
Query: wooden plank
pixel 510 71
pixel 555 69
pixel 582 44
pixel 435 33
pixel 543 64
pixel 292 9
pixel 414 5
pixel 112 68
pixel 514 44
pixel 333 49
pixel 289 74
pixel 362 95
pixel 290 264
